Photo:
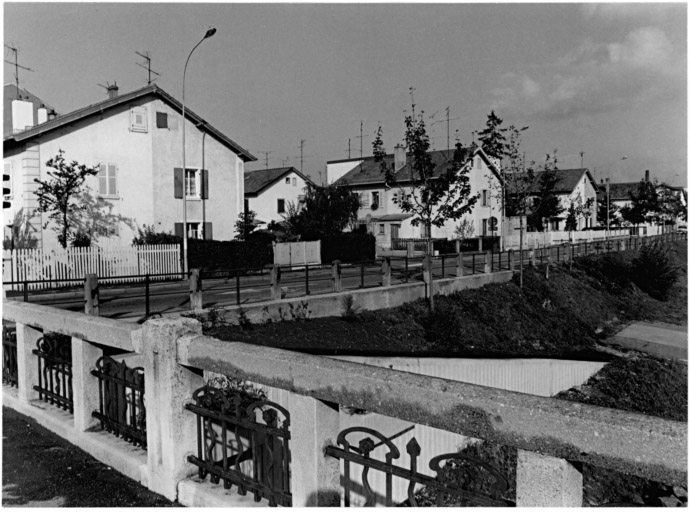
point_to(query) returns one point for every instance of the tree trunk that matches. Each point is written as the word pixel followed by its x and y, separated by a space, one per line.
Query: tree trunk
pixel 521 229
pixel 430 252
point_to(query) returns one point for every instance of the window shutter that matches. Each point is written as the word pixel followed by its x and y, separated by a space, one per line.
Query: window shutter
pixel 179 229
pixel 204 183
pixel 102 180
pixel 179 183
pixel 208 231
pixel 161 120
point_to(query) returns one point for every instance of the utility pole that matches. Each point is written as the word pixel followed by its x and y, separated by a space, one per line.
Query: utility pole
pixel 448 130
pixel 147 66
pixel 17 67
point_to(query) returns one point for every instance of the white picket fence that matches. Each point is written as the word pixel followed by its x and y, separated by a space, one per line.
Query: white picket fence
pixel 111 265
pixel 546 238
pixel 295 254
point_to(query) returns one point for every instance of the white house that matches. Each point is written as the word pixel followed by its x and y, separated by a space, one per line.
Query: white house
pixel 269 191
pixel 384 218
pixel 136 141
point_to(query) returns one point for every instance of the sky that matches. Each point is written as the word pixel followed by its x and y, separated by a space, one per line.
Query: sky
pixel 606 80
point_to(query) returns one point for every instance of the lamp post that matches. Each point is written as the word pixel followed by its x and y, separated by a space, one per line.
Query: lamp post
pixel 209 32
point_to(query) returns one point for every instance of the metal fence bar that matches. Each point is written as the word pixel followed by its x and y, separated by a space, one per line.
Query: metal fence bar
pixel 10 369
pixel 54 359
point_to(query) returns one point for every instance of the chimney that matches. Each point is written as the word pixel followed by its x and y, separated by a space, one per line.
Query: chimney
pixel 399 157
pixel 646 175
pixel 52 115
pixel 112 91
pixel 42 114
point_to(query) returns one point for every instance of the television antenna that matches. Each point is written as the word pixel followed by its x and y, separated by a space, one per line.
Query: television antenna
pixel 361 139
pixel 17 67
pixel 266 153
pixel 147 67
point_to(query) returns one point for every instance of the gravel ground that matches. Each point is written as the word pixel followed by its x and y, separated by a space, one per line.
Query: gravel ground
pixel 39 469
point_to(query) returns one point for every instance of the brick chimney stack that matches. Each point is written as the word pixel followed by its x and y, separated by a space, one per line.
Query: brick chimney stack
pixel 399 157
pixel 646 175
pixel 112 91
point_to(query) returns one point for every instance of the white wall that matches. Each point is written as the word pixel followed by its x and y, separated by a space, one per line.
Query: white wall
pixel 266 204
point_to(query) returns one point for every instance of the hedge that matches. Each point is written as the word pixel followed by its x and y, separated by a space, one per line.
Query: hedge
pixel 348 247
pixel 217 255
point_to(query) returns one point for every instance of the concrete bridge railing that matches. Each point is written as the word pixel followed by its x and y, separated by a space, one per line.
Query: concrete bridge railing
pixel 553 437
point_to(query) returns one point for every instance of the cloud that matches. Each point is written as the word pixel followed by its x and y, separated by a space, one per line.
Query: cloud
pixel 598 77
pixel 646 13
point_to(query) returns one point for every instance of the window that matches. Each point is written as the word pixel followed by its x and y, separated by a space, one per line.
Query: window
pixel 287 181
pixel 281 205
pixel 294 182
pixel 8 184
pixel 382 229
pixel 486 198
pixel 479 164
pixel 161 120
pixel 424 233
pixel 195 181
pixel 191 183
pixel 485 227
pixel 193 230
pixel 374 200
pixel 364 199
pixel 107 180
pixel 138 120
pixel 300 198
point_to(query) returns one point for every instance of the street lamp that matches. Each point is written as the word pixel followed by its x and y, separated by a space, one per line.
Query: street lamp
pixel 209 33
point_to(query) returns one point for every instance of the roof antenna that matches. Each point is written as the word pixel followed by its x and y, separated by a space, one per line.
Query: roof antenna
pixel 266 153
pixel 147 67
pixel 16 66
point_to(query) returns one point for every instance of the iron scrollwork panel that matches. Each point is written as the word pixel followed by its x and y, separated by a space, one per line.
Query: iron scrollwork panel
pixel 54 357
pixel 10 373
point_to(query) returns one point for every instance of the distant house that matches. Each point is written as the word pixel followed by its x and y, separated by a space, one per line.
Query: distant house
pixel 135 139
pixel 576 186
pixel 23 110
pixel 268 192
pixel 384 218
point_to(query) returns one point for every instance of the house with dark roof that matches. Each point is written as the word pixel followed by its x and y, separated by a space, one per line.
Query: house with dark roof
pixel 384 218
pixel 576 186
pixel 135 140
pixel 268 192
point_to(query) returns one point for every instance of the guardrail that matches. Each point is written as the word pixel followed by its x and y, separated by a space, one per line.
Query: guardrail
pixel 552 436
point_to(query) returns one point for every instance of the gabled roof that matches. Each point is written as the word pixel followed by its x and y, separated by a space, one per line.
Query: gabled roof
pixel 368 172
pixel 256 181
pixel 567 180
pixel 98 108
pixel 10 93
pixel 620 191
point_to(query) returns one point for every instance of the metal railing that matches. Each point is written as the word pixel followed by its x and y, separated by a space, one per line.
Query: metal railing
pixel 10 370
pixel 121 406
pixel 237 447
pixel 54 356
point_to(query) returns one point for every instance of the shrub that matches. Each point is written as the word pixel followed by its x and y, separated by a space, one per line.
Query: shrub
pixel 654 271
pixel 348 247
pixel 217 255
pixel 149 236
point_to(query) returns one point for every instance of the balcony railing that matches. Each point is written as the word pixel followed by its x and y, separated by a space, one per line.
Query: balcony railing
pixel 552 437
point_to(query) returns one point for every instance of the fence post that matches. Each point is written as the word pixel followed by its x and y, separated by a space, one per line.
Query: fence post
pixel 548 265
pixel 386 271
pixel 481 244
pixel 147 281
pixel 457 246
pixel 195 298
pixel 275 283
pixel 91 295
pixel 511 262
pixel 543 481
pixel 336 276
pixel 26 291
pixel 170 429
pixel 459 269
pixel 410 249
pixel 315 475
pixel 532 257
pixel 27 368
pixel 306 275
pixel 487 262
pixel 84 385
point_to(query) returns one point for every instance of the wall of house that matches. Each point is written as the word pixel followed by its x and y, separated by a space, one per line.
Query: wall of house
pixel 582 191
pixel 225 176
pixel 481 178
pixel 99 139
pixel 266 204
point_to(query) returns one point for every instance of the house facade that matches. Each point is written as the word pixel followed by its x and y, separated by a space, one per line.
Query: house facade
pixel 135 140
pixel 268 192
pixel 384 218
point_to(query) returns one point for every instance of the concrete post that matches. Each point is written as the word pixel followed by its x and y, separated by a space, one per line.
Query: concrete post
pixel 84 385
pixel 457 246
pixel 27 366
pixel 481 244
pixel 171 430
pixel 195 298
pixel 487 262
pixel 459 268
pixel 336 276
pixel 315 476
pixel 275 283
pixel 548 265
pixel 511 260
pixel 532 258
pixel 386 271
pixel 410 249
pixel 426 269
pixel 544 481
pixel 91 295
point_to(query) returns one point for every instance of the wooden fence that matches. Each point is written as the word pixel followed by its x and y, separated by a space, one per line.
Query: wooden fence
pixel 74 263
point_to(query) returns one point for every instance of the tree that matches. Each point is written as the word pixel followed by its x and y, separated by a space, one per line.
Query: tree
pixel 326 210
pixel 546 204
pixel 644 204
pixel 245 225
pixel 149 236
pixel 571 218
pixel 57 195
pixel 465 229
pixel 95 219
pixel 613 210
pixel 431 194
pixel 671 206
pixel 21 233
pixel 492 139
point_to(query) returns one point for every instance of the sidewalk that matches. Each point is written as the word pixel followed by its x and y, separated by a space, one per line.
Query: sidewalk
pixel 40 469
pixel 657 339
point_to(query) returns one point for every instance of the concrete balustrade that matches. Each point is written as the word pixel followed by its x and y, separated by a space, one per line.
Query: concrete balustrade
pixel 554 437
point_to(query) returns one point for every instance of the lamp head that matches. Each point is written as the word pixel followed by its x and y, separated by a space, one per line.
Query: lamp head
pixel 210 32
